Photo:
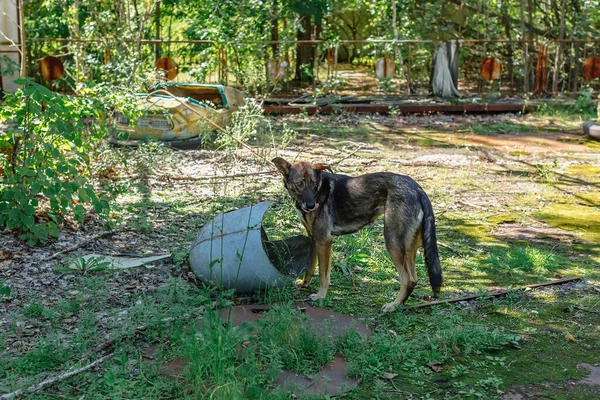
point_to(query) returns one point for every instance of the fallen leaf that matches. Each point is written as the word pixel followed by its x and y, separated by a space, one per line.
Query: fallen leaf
pixel 570 337
pixel 389 375
pixel 435 367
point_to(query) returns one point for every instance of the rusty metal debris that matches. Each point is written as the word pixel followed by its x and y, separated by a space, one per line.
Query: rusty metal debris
pixel 328 322
pixel 541 74
pixel 51 68
pixel 591 67
pixel 330 381
pixel 491 68
pixel 168 67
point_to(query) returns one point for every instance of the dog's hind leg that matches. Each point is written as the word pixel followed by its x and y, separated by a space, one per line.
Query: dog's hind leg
pixel 405 266
pixel 402 244
pixel 323 250
pixel 312 266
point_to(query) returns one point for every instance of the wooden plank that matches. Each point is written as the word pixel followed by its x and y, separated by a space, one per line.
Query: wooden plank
pixel 499 292
pixel 402 109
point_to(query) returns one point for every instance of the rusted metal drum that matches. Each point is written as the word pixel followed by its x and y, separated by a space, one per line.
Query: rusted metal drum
pixel 233 251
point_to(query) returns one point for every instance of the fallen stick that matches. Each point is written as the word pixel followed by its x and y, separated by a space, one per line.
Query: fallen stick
pixel 207 178
pixel 499 292
pixel 82 244
pixel 34 388
pixel 348 156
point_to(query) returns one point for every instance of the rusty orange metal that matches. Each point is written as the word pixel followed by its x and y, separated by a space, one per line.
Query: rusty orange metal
pixel 331 55
pixel 491 68
pixel 169 67
pixel 541 74
pixel 591 67
pixel 51 68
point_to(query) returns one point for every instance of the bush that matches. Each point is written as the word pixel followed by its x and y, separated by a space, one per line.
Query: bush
pixel 45 158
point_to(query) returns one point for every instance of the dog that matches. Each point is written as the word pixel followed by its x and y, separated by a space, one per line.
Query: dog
pixel 334 204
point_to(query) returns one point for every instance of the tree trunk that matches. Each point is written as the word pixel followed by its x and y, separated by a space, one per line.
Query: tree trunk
pixel 555 76
pixel 275 30
pixel 25 55
pixel 525 50
pixel 398 52
pixel 304 52
pixel 509 47
pixel 157 27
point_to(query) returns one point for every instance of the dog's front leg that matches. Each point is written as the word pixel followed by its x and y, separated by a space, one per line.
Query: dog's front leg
pixel 323 250
pixel 312 265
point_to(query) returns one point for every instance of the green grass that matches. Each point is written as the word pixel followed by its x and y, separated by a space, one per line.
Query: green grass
pixel 505 127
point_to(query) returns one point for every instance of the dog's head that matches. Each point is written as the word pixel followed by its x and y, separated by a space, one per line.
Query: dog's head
pixel 302 181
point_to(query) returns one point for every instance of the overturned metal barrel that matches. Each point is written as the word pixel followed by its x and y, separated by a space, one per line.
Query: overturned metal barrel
pixel 233 251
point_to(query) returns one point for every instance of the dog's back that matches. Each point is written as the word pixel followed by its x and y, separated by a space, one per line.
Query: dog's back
pixel 355 202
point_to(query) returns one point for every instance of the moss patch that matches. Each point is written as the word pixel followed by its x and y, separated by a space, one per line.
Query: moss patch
pixel 587 171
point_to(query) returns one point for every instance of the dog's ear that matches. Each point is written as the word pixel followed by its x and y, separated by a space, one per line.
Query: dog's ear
pixel 321 167
pixel 282 165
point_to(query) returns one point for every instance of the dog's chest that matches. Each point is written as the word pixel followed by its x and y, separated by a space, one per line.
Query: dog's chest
pixel 307 220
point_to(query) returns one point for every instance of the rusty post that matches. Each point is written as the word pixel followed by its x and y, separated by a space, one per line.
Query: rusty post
pixel 541 71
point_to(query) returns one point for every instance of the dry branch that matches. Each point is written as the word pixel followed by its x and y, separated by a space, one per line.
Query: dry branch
pixel 207 178
pixel 56 379
pixel 82 244
pixel 499 292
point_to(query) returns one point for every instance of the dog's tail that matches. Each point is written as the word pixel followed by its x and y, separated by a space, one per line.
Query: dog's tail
pixel 430 250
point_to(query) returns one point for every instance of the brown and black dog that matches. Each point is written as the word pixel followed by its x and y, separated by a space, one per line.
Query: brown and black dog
pixel 334 204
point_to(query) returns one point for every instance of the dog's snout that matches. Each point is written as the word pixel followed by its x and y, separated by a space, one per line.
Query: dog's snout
pixel 308 200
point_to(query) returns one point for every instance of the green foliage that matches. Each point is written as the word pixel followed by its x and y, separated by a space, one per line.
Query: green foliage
pixel 46 355
pixel 45 158
pixel 34 309
pixel 248 125
pixel 437 342
pixel 83 265
pixel 5 290
pixel 8 66
pixel 285 340
pixel 545 171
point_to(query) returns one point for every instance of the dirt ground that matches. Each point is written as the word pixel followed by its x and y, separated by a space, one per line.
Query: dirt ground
pixel 539 184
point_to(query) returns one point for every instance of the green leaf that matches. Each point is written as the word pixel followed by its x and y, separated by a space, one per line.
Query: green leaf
pixel 5 290
pixel 23 81
pixel 25 171
pixel 40 232
pixel 53 229
pixel 28 209
pixel 79 210
pixel 27 220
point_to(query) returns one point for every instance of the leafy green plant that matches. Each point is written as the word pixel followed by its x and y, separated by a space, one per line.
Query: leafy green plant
pixel 8 66
pixel 5 290
pixel 82 265
pixel 47 354
pixel 35 309
pixel 45 160
pixel 386 85
pixel 545 171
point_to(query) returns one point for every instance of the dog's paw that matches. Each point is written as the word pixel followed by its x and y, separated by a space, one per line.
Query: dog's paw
pixel 389 307
pixel 303 283
pixel 315 297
